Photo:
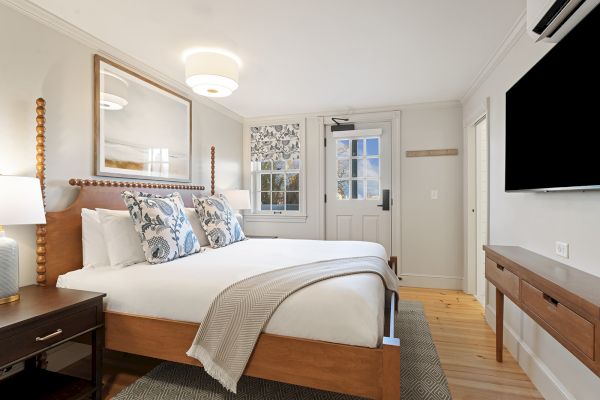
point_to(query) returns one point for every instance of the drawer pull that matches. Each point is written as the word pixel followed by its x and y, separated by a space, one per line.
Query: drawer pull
pixel 500 267
pixel 50 336
pixel 550 300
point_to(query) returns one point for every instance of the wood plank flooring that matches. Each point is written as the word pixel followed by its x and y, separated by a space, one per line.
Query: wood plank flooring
pixel 464 341
pixel 467 348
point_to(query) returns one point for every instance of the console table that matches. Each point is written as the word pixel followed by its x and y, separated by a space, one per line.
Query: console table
pixel 563 300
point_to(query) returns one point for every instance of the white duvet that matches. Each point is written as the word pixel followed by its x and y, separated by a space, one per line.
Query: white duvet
pixel 347 310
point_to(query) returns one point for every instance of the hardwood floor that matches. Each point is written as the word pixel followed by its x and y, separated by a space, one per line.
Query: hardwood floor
pixel 464 341
pixel 467 348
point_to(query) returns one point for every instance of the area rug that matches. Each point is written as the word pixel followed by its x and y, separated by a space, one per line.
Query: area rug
pixel 421 374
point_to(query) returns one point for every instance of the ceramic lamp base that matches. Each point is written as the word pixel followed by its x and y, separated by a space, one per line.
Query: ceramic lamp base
pixel 9 269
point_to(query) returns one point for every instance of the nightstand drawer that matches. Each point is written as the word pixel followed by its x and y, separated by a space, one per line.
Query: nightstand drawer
pixel 42 334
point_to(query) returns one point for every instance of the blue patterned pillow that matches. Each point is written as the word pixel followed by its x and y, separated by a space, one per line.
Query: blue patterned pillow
pixel 218 220
pixel 164 229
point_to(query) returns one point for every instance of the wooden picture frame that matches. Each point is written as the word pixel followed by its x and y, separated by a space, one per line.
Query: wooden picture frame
pixel 142 129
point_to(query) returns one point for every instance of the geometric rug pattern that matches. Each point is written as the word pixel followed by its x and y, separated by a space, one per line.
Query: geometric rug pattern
pixel 421 374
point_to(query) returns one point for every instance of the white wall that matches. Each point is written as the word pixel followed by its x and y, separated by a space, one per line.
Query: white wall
pixel 431 237
pixel 37 61
pixel 535 221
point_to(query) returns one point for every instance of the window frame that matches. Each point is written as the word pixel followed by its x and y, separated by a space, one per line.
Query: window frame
pixel 256 213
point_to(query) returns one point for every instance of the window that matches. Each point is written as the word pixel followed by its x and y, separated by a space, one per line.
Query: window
pixel 358 163
pixel 277 169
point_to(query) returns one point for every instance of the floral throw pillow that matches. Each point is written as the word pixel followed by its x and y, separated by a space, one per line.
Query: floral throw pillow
pixel 218 220
pixel 164 229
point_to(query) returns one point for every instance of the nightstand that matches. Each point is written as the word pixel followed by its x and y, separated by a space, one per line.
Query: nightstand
pixel 43 318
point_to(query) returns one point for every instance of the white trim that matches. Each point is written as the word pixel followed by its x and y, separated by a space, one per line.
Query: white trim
pixel 538 372
pixel 321 169
pixel 515 33
pixel 274 218
pixel 432 281
pixel 52 21
pixel 358 133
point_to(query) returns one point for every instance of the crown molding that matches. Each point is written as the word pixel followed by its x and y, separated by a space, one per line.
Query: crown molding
pixel 56 23
pixel 513 36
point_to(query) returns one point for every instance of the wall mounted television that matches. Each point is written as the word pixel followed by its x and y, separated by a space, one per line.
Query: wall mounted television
pixel 553 117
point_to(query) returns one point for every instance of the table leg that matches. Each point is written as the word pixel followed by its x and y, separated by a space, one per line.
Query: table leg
pixel 499 324
pixel 97 361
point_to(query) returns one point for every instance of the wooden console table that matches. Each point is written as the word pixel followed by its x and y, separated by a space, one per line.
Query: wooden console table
pixel 563 300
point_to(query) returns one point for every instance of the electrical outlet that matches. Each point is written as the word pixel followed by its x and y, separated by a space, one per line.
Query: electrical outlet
pixel 562 249
pixel 434 194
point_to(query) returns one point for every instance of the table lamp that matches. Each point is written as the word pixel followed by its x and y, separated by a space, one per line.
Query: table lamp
pixel 238 200
pixel 20 204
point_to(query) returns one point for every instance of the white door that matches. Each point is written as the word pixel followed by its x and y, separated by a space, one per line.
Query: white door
pixel 358 184
pixel 481 172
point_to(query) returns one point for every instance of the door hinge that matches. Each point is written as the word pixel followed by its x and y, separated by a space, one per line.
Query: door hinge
pixel 325 198
pixel 324 142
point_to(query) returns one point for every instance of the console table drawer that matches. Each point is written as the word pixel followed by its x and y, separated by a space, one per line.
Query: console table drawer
pixel 573 327
pixel 502 278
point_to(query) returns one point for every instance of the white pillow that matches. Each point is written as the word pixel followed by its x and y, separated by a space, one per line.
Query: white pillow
pixel 92 240
pixel 190 213
pixel 123 243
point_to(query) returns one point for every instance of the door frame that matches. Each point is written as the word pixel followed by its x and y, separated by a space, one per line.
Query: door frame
pixel 393 117
pixel 470 196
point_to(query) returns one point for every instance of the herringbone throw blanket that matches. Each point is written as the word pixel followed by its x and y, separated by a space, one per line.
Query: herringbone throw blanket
pixel 237 316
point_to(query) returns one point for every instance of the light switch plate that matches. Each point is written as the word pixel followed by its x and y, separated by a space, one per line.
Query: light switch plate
pixel 434 194
pixel 562 249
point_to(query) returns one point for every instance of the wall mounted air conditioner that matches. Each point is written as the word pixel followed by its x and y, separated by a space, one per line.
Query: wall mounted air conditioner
pixel 551 20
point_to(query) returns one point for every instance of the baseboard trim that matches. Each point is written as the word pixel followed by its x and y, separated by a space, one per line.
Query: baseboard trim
pixel 432 281
pixel 541 376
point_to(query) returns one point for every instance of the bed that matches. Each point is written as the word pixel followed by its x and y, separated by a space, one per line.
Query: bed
pixel 349 347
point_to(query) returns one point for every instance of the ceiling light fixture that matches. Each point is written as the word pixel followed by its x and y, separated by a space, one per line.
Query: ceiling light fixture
pixel 211 72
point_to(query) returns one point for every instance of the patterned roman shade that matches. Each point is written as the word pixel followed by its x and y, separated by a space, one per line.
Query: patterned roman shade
pixel 275 142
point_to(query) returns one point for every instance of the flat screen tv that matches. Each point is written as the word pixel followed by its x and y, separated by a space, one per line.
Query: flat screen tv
pixel 553 117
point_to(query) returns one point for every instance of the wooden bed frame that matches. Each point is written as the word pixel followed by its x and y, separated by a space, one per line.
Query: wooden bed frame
pixel 368 372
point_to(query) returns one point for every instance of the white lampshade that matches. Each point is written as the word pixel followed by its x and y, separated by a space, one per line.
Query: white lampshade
pixel 113 92
pixel 211 73
pixel 21 201
pixel 238 199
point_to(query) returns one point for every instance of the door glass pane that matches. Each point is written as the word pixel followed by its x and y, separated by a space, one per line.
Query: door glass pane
pixel 278 201
pixel 372 189
pixel 343 168
pixel 357 147
pixel 278 182
pixel 265 182
pixel 343 190
pixel 358 168
pixel 372 146
pixel 292 201
pixel 373 167
pixel 265 201
pixel 342 148
pixel 292 182
pixel 358 189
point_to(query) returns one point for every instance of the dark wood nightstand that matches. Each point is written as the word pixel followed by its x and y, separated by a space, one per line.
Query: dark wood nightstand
pixel 43 318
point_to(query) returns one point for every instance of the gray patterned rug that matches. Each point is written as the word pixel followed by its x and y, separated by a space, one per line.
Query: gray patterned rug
pixel 421 374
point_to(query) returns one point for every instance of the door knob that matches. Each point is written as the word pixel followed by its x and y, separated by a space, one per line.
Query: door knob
pixel 385 205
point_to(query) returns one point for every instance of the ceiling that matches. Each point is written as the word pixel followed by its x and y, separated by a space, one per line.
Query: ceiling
pixel 302 56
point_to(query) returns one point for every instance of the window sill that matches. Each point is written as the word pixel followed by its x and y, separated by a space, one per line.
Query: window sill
pixel 274 218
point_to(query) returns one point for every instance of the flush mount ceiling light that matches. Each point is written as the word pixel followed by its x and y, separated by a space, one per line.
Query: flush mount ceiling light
pixel 211 72
pixel 113 91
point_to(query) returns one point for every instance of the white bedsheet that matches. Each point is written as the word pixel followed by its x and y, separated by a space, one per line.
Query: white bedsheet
pixel 347 310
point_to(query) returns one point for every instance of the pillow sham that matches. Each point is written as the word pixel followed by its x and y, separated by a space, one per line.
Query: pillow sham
pixel 122 241
pixel 218 220
pixel 92 240
pixel 190 213
pixel 161 222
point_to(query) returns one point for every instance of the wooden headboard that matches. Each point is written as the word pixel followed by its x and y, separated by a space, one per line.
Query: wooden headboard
pixel 58 243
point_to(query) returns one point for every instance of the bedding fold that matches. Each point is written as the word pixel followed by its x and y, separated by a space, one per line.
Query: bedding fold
pixel 237 316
